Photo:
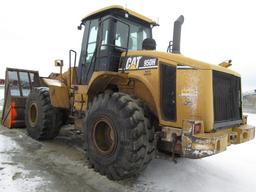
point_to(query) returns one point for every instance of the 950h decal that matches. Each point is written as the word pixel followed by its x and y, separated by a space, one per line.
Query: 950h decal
pixel 138 62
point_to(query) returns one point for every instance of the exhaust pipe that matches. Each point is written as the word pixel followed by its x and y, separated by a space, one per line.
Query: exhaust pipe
pixel 176 34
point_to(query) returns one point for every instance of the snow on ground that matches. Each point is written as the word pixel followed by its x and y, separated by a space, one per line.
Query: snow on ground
pixel 13 176
pixel 28 165
pixel 231 171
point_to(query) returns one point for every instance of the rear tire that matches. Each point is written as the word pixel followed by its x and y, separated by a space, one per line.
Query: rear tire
pixel 43 121
pixel 121 152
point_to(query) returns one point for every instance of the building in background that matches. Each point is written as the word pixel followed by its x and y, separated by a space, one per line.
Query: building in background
pixel 249 101
pixel 1 94
pixel 1 81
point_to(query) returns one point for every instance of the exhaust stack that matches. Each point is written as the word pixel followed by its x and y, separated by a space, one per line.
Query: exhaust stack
pixel 176 34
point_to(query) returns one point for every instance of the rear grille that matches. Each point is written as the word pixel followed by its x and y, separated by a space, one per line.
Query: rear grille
pixel 227 99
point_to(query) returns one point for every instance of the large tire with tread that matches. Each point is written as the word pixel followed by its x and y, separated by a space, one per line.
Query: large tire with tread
pixel 43 121
pixel 116 136
pixel 149 120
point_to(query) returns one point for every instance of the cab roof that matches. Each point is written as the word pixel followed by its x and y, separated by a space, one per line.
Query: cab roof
pixel 117 9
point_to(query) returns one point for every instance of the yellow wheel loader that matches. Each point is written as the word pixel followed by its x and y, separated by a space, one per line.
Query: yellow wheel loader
pixel 131 100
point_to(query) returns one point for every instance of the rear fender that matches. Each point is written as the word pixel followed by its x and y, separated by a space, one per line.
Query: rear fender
pixel 121 82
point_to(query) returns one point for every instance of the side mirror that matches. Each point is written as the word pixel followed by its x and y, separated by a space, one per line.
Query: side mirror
pixel 58 63
pixel 79 27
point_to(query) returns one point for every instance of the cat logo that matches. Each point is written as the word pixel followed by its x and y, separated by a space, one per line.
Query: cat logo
pixel 132 63
pixel 138 63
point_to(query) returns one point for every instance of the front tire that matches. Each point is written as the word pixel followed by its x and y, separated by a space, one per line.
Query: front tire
pixel 116 138
pixel 43 121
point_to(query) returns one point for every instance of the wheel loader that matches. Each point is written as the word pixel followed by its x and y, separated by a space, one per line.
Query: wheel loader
pixel 131 100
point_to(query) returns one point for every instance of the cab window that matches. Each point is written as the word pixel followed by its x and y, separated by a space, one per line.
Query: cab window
pixel 24 83
pixel 13 83
pixel 138 33
pixel 121 35
pixel 93 31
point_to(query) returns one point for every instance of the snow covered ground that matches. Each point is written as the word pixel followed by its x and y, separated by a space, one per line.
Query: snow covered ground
pixel 231 171
pixel 59 165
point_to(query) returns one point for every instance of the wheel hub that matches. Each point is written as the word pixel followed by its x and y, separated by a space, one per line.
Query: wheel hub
pixel 33 114
pixel 104 136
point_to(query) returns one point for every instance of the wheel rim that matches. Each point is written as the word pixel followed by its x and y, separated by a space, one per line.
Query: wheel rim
pixel 104 136
pixel 33 114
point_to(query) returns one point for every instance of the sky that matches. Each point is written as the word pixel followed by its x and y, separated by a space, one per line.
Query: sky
pixel 33 33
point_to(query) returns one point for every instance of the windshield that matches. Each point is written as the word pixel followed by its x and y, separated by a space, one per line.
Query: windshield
pixel 138 33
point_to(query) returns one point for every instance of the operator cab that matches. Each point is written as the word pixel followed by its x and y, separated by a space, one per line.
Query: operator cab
pixel 107 34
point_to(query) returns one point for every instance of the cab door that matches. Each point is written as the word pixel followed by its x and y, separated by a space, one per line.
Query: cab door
pixel 87 57
pixel 113 41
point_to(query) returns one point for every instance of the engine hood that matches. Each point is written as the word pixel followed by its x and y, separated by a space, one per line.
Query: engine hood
pixel 180 59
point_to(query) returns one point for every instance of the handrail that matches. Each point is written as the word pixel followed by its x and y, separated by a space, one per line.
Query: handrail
pixel 70 75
